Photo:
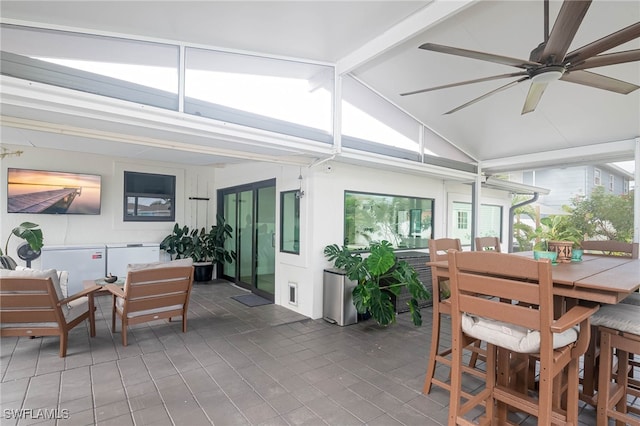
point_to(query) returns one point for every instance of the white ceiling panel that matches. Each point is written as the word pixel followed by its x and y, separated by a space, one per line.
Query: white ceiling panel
pixel 568 115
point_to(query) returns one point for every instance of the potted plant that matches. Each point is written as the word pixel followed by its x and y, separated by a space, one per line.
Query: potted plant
pixel 380 276
pixel 27 231
pixel 541 251
pixel 216 238
pixel 205 247
pixel 558 235
pixel 176 244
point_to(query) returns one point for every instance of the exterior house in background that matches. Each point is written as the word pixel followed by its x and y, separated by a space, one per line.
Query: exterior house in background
pixel 567 183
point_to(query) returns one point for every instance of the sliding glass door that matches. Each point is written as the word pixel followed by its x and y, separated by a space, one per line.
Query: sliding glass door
pixel 251 210
pixel 266 240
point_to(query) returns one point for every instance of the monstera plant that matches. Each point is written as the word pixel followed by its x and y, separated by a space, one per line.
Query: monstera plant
pixel 380 276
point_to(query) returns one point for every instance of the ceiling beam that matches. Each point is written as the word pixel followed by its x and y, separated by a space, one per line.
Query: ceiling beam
pixel 400 165
pixel 430 15
pixel 600 153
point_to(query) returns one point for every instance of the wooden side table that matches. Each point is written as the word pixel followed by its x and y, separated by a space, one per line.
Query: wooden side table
pixel 101 282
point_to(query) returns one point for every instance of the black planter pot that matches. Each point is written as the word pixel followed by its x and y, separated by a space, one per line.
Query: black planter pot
pixel 203 271
pixel 364 317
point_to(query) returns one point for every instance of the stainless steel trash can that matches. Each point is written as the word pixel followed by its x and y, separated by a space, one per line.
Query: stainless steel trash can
pixel 337 302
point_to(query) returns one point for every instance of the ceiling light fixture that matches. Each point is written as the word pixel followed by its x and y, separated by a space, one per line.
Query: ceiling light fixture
pixel 548 74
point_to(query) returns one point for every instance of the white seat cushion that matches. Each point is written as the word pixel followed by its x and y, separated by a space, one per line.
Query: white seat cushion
pixel 60 280
pixel 623 317
pixel 75 308
pixel 155 265
pixel 120 305
pixel 22 272
pixel 29 325
pixel 512 337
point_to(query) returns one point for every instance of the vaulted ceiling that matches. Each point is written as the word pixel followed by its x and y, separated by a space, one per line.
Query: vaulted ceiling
pixel 377 42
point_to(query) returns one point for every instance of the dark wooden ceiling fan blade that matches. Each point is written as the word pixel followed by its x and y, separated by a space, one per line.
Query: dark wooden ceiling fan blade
pixel 498 59
pixel 564 30
pixel 486 95
pixel 533 97
pixel 599 81
pixel 608 59
pixel 462 83
pixel 605 43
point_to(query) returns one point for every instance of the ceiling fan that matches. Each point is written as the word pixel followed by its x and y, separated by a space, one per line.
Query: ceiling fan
pixel 550 61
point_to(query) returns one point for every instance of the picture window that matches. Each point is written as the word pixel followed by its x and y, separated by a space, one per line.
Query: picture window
pixel 149 197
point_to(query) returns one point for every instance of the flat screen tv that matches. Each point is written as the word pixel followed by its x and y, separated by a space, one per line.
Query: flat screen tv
pixel 46 192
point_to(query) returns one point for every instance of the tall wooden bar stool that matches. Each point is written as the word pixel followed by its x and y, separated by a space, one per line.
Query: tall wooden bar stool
pixel 442 306
pixel 619 328
pixel 484 289
pixel 611 248
pixel 591 357
pixel 488 244
pixel 525 376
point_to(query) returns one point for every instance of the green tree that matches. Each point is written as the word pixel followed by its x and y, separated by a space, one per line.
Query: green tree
pixel 523 232
pixel 603 214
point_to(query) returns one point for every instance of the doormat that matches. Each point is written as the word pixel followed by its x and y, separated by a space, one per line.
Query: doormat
pixel 251 300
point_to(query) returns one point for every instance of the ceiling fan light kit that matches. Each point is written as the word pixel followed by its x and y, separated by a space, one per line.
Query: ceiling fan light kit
pixel 549 61
pixel 548 74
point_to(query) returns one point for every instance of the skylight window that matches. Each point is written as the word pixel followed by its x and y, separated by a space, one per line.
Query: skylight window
pixel 162 78
pixel 282 98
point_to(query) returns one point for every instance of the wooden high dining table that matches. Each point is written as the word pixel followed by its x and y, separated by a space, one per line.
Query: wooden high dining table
pixel 595 279
pixel 599 279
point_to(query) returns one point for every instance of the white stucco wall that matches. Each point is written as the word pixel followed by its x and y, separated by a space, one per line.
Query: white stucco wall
pixel 326 211
pixel 108 226
pixel 322 207
pixel 322 215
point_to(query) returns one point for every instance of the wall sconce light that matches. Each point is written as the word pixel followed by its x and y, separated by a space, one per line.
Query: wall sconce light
pixel 300 192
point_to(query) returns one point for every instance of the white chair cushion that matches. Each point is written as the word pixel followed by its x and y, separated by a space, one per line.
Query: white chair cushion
pixel 22 272
pixel 60 283
pixel 75 308
pixel 63 277
pixel 512 337
pixel 120 305
pixel 623 317
pixel 155 265
pixel 29 325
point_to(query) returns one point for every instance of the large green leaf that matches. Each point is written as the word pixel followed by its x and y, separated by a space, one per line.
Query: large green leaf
pixel 350 262
pixel 360 298
pixel 414 309
pixel 381 308
pixel 28 232
pixel 381 259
